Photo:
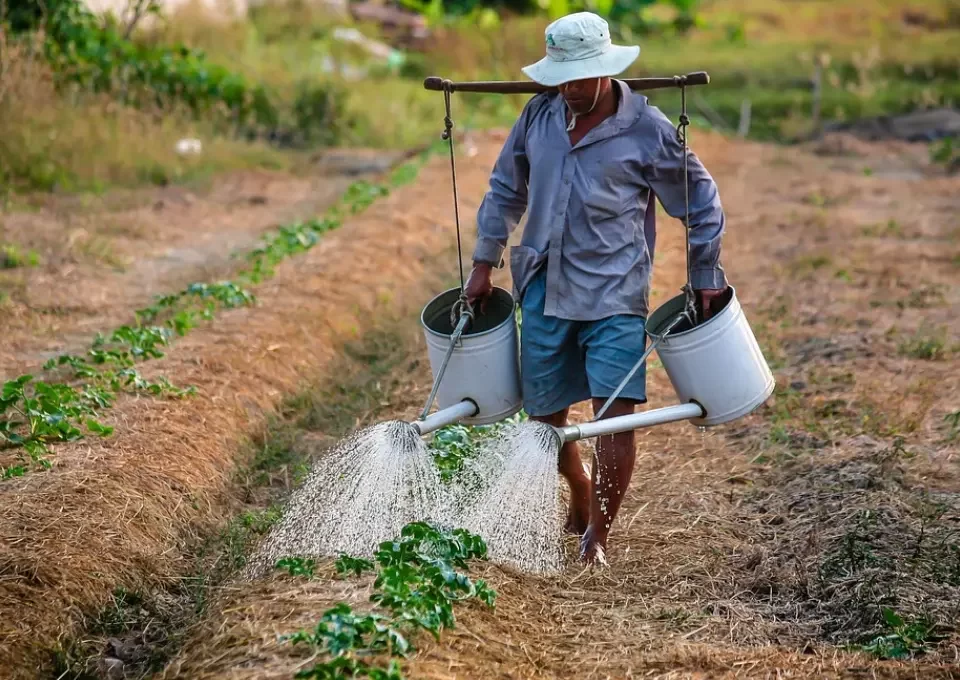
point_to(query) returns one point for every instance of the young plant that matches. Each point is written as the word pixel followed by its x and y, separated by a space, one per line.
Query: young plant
pixel 453 445
pixel 417 583
pixel 11 257
pixel 352 565
pixel 297 566
pixel 34 414
pixel 904 640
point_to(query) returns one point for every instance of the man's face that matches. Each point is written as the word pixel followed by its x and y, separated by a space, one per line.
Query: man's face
pixel 580 94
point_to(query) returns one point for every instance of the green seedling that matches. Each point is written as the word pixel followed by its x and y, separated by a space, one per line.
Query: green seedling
pixel 417 585
pixel 352 565
pixel 297 566
pixel 927 345
pixel 904 640
pixel 11 257
pixel 453 445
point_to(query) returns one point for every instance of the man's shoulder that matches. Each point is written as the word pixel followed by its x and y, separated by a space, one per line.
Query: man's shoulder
pixel 539 102
pixel 650 122
pixel 647 114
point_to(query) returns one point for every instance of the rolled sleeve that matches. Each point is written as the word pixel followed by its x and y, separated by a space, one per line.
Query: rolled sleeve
pixel 488 250
pixel 505 202
pixel 707 219
pixel 706 279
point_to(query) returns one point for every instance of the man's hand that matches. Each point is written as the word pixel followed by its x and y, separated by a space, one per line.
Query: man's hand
pixel 479 285
pixel 707 298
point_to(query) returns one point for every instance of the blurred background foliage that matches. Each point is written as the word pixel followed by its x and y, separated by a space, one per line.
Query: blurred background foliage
pixel 264 86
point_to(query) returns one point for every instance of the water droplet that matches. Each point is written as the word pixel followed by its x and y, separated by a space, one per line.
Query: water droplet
pixel 362 492
pixel 514 503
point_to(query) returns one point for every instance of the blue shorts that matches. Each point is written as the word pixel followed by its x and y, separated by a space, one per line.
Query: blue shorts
pixel 565 362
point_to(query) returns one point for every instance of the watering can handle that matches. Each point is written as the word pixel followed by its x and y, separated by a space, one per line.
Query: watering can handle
pixel 438 84
pixel 460 321
pixel 636 367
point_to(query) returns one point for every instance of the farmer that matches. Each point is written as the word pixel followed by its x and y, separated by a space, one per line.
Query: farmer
pixel 587 164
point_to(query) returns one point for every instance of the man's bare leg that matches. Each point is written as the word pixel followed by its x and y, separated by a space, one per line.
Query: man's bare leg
pixel 573 470
pixel 612 470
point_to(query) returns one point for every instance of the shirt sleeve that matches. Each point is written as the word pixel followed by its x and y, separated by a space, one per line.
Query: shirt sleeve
pixel 707 220
pixel 505 202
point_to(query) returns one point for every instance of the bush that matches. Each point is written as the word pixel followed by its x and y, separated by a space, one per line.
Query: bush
pixel 320 113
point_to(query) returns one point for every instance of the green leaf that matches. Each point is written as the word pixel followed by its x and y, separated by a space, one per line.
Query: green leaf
pixel 355 565
pixel 13 471
pixel 99 428
pixel 891 618
pixel 297 566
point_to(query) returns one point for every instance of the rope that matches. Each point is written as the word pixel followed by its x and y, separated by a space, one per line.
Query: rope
pixel 691 304
pixel 448 136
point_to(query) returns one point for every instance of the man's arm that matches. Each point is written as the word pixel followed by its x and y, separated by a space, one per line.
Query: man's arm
pixel 505 202
pixel 502 208
pixel 707 220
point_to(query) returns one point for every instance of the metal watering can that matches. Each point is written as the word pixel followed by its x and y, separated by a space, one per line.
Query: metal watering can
pixel 475 360
pixel 715 366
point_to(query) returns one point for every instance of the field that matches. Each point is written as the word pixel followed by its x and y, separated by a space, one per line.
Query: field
pixel 225 326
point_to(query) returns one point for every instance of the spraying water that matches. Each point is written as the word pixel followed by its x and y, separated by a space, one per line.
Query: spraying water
pixel 359 494
pixel 509 495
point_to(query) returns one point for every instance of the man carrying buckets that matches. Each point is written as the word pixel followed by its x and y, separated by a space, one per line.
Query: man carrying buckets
pixel 587 164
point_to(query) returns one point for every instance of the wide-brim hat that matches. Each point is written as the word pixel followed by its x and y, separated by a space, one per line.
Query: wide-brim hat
pixel 578 47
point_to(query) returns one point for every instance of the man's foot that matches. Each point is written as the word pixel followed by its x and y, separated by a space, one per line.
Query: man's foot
pixel 593 550
pixel 577 520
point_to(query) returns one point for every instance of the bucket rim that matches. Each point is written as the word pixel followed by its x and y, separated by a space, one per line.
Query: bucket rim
pixel 511 317
pixel 723 313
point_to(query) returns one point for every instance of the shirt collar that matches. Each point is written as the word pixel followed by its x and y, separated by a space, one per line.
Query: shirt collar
pixel 628 107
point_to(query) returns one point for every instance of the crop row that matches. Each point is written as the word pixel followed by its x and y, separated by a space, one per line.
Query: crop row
pixel 417 583
pixel 65 406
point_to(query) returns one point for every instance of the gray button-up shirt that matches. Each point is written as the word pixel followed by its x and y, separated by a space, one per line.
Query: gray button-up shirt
pixel 588 220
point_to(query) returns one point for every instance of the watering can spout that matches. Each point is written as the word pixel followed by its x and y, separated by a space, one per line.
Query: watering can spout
pixel 448 416
pixel 632 421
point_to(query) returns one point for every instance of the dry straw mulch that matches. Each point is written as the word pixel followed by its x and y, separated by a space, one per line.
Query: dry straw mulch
pixel 116 512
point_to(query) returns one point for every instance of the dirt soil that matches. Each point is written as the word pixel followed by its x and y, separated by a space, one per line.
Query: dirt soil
pixel 765 548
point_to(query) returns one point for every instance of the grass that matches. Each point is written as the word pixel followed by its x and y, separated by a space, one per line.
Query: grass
pixel 870 561
pixel 891 228
pixel 757 51
pixel 73 141
pixel 876 63
pixel 12 257
pixel 927 344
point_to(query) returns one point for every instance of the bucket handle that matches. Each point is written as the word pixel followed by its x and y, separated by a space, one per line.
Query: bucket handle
pixel 636 367
pixel 462 308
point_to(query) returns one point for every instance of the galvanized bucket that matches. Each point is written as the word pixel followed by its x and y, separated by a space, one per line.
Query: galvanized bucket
pixel 717 364
pixel 485 364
